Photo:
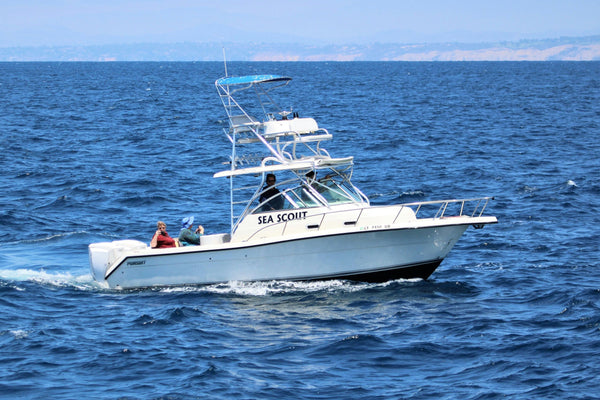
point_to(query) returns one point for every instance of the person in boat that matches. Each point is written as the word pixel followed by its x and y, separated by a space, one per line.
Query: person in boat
pixel 161 238
pixel 275 203
pixel 186 236
pixel 316 183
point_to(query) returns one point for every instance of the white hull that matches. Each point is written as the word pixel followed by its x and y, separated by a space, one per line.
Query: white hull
pixel 377 255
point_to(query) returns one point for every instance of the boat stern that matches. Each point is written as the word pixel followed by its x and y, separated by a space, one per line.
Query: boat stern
pixel 102 255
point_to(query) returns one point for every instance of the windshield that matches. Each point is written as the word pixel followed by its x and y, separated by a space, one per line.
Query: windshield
pixel 310 193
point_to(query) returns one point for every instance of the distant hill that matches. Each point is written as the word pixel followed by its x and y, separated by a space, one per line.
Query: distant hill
pixel 564 48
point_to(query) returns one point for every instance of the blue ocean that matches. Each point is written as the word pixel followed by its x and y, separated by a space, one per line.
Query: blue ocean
pixel 97 152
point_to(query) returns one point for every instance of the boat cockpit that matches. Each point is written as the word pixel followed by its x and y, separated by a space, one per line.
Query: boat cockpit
pixel 307 192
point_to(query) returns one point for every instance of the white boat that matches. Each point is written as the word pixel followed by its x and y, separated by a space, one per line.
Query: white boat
pixel 316 226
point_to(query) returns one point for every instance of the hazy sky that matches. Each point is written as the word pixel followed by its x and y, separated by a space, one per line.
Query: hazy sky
pixel 67 22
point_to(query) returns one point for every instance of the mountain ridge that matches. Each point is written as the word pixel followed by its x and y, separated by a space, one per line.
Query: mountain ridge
pixel 585 48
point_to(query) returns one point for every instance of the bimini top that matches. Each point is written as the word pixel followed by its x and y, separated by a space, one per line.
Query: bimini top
pixel 241 80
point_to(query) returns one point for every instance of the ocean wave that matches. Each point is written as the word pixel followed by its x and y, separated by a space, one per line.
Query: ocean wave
pixel 513 311
pixel 44 239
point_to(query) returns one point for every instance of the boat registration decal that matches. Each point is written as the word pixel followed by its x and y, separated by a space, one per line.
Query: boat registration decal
pixel 283 217
pixel 375 227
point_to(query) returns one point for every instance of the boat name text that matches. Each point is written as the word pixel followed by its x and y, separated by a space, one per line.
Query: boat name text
pixel 284 217
pixel 136 262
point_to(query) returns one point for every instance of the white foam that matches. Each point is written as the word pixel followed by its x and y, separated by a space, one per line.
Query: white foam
pixel 19 334
pixel 263 288
pixel 61 279
pixel 275 287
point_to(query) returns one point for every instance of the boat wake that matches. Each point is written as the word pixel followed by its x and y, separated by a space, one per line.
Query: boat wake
pixel 56 279
pixel 86 282
pixel 270 288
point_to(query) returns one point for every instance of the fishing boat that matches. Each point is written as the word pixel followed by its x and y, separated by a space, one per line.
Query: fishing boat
pixel 311 223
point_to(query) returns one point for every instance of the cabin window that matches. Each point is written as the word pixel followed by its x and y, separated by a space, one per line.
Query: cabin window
pixel 326 192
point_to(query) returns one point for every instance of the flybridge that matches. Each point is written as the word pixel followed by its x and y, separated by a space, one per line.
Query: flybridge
pixel 266 138
pixel 273 136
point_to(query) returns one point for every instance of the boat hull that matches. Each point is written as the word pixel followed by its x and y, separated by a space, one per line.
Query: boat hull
pixel 375 256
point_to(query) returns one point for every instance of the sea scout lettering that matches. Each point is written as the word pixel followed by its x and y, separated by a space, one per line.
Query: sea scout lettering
pixel 290 216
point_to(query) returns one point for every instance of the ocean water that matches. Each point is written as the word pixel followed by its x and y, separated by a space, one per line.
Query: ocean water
pixel 100 151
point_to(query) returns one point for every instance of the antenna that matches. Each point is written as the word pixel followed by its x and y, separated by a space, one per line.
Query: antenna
pixel 225 61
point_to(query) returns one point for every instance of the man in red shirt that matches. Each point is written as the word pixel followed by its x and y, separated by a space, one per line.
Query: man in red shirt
pixel 161 238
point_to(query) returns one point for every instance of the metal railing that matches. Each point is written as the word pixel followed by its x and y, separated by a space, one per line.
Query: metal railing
pixel 477 205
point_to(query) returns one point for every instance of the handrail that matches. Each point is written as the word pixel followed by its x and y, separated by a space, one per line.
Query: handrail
pixel 441 212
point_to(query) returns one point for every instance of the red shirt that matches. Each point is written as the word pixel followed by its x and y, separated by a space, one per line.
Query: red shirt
pixel 164 240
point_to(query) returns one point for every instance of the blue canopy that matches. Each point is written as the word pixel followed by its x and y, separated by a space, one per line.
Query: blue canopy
pixel 240 80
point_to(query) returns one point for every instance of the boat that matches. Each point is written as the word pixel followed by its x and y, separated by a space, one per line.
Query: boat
pixel 315 225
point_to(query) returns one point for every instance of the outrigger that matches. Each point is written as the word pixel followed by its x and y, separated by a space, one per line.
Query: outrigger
pixel 312 224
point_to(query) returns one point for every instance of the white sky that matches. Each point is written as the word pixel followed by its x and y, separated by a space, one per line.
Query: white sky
pixel 66 22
